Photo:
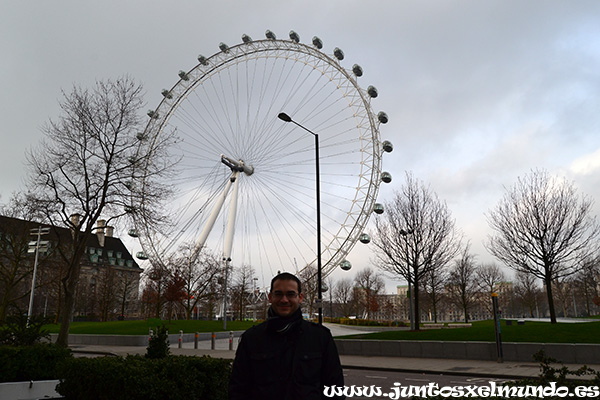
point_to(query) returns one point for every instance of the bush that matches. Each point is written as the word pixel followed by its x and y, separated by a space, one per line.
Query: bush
pixel 18 332
pixel 137 377
pixel 158 346
pixel 24 363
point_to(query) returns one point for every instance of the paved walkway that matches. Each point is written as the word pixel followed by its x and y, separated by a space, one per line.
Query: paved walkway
pixel 419 365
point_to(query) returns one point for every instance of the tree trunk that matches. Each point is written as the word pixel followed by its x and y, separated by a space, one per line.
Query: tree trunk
pixel 416 313
pixel 69 286
pixel 548 282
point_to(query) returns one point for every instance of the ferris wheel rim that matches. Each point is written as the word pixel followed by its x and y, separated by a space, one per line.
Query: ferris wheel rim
pixel 347 236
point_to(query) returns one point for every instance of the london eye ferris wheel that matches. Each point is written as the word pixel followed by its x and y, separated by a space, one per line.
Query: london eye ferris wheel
pixel 244 185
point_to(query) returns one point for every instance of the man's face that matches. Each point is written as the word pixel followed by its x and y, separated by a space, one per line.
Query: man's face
pixel 284 297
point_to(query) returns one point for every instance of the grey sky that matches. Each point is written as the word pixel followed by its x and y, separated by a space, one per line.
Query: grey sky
pixel 478 92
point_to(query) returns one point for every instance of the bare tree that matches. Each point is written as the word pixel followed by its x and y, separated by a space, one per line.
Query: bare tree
pixel 434 284
pixel 308 277
pixel 153 296
pixel 462 288
pixel 527 292
pixel 416 235
pixel 199 270
pixel 85 168
pixel 587 280
pixel 328 296
pixel 107 295
pixel 17 219
pixel 127 287
pixel 488 277
pixel 369 285
pixel 542 227
pixel 241 289
pixel 344 296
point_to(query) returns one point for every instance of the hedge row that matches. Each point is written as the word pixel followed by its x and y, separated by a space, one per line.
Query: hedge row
pixel 39 362
pixel 138 377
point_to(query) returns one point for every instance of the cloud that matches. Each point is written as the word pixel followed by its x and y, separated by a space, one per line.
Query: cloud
pixel 587 164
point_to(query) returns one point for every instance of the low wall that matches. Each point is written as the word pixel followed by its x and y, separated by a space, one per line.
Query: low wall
pixel 565 353
pixel 29 390
pixel 137 340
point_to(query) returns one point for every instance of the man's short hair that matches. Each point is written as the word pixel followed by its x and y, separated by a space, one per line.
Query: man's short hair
pixel 286 276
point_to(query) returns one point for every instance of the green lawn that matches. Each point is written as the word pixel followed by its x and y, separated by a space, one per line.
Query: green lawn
pixel 142 327
pixel 483 331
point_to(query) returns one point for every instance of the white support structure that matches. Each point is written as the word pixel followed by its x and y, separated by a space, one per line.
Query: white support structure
pixel 231 217
pixel 236 166
pixel 212 217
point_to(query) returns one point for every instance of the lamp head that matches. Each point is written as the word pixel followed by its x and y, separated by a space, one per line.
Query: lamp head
pixel 284 117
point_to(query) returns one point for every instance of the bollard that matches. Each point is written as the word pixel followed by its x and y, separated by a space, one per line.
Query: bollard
pixel 150 335
pixel 196 341
pixel 212 341
pixel 230 340
pixel 180 338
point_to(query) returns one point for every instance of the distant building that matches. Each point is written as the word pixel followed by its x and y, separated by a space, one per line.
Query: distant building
pixel 108 285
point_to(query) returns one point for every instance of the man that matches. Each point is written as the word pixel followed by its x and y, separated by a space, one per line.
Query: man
pixel 285 357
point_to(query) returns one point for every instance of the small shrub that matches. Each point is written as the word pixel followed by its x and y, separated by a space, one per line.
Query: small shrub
pixel 561 374
pixel 159 346
pixel 17 332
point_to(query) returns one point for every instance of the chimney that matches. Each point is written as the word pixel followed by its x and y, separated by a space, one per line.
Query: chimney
pixel 100 225
pixel 75 221
pixel 110 230
pixel 75 218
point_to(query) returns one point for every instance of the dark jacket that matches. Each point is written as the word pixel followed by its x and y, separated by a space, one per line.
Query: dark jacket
pixel 295 365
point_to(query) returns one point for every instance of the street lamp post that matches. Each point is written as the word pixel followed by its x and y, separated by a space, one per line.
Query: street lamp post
pixel 287 118
pixel 36 247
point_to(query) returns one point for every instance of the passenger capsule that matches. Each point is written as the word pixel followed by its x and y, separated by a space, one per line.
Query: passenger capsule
pixel 364 238
pixel 338 53
pixel 357 70
pixel 152 114
pixel 372 91
pixel 387 146
pixel 386 177
pixel 224 48
pixel 141 255
pixel 318 43
pixel 378 208
pixel 346 265
pixel 183 75
pixel 202 60
pixel 133 233
pixel 382 117
pixel 324 287
pixel 294 37
pixel 270 35
pixel 246 38
pixel 167 94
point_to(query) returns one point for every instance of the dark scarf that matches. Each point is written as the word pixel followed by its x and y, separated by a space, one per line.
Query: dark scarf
pixel 282 325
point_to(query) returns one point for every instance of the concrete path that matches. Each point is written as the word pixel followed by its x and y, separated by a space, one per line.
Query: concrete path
pixel 510 370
